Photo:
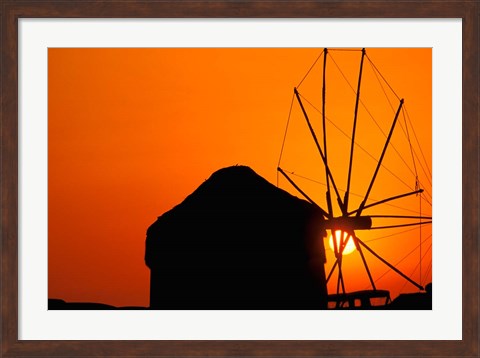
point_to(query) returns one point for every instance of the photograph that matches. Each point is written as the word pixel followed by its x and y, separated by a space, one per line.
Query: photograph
pixel 240 178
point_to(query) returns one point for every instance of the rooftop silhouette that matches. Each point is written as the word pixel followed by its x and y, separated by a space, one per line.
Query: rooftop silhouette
pixel 237 242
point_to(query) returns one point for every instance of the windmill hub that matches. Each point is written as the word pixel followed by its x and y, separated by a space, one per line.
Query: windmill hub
pixel 348 224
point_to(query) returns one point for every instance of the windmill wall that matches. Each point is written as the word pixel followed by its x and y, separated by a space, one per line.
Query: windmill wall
pixel 237 242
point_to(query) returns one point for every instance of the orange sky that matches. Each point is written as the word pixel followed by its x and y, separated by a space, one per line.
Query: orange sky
pixel 132 132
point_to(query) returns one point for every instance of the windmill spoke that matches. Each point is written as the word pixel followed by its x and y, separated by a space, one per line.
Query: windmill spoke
pixel 384 201
pixel 340 281
pixel 332 270
pixel 324 213
pixel 329 173
pixel 360 209
pixel 359 249
pixel 402 259
pixel 353 132
pixel 400 225
pixel 401 217
pixel 328 194
pixel 390 265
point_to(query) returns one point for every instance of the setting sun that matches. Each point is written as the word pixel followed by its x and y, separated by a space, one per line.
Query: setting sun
pixel 349 244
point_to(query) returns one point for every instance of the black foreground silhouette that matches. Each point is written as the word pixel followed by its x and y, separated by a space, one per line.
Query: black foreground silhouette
pixel 237 242
pixel 58 304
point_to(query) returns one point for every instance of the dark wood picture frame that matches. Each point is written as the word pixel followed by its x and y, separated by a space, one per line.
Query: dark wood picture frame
pixel 11 11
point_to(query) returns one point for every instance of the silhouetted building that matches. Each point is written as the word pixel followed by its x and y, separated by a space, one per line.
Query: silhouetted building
pixel 413 301
pixel 237 242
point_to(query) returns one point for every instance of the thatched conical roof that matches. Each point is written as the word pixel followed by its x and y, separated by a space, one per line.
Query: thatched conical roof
pixel 237 242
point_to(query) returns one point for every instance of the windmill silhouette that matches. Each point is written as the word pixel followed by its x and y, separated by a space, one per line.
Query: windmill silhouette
pixel 345 219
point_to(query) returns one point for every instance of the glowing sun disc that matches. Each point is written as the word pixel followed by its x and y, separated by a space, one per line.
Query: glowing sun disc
pixel 349 247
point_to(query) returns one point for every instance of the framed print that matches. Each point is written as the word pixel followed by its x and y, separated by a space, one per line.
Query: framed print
pixel 161 166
